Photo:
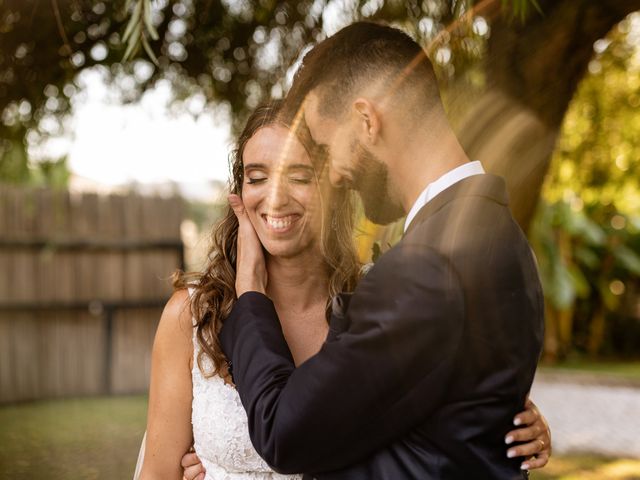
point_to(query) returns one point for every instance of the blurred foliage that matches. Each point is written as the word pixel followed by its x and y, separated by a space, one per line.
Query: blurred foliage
pixel 596 154
pixel 233 54
pixel 586 233
pixel 590 270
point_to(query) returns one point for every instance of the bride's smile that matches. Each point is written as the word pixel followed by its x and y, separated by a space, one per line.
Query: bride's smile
pixel 280 224
pixel 281 192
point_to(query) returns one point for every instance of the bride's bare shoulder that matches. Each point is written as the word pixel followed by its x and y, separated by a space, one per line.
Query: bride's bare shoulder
pixel 178 308
pixel 176 324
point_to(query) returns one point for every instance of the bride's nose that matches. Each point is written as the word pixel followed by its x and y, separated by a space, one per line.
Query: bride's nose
pixel 278 194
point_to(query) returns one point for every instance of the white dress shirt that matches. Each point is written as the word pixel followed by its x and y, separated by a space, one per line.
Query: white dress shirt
pixel 437 186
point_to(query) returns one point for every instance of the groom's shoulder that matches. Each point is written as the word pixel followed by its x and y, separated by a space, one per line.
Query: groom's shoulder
pixel 409 260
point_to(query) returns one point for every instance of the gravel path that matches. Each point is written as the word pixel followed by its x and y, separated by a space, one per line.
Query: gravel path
pixel 590 417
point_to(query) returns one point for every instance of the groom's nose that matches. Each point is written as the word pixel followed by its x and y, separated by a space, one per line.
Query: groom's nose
pixel 338 174
pixel 335 177
pixel 340 178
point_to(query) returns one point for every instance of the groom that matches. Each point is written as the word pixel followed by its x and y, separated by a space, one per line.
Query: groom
pixel 430 358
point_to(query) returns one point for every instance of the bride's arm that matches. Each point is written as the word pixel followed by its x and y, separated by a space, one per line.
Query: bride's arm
pixel 169 433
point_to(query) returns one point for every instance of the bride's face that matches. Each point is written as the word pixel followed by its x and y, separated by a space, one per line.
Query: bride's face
pixel 280 192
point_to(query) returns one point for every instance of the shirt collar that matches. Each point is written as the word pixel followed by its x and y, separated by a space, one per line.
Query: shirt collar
pixel 437 186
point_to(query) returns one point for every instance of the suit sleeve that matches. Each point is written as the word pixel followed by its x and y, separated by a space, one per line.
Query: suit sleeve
pixel 369 384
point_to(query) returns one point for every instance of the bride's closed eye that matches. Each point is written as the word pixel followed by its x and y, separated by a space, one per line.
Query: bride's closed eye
pixel 301 174
pixel 300 180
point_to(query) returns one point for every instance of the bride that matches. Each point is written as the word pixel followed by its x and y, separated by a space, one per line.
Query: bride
pixel 305 226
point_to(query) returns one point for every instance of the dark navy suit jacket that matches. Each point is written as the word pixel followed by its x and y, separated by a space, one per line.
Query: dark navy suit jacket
pixel 425 364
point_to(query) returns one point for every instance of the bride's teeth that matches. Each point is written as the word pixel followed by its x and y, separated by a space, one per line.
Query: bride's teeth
pixel 278 224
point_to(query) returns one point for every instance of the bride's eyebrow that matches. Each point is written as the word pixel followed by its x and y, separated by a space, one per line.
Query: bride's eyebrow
pixel 255 166
pixel 295 167
pixel 300 166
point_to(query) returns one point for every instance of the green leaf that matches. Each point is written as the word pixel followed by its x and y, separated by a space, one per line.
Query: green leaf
pixel 610 300
pixel 133 22
pixel 580 282
pixel 580 225
pixel 149 51
pixel 458 6
pixel 134 44
pixel 634 223
pixel 520 8
pixel 151 30
pixel 536 5
pixel 562 291
pixel 586 256
pixel 629 259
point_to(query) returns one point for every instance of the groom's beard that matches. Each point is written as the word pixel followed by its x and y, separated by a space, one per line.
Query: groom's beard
pixel 371 180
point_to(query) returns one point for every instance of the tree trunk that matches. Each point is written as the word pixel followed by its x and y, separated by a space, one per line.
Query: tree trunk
pixel 597 329
pixel 533 70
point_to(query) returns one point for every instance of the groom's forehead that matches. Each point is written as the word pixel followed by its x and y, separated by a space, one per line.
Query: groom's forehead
pixel 309 118
pixel 315 143
pixel 304 129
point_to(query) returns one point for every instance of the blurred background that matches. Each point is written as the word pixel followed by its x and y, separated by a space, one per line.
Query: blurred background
pixel 116 120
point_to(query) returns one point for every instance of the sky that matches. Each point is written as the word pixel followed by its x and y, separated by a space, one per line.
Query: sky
pixel 109 144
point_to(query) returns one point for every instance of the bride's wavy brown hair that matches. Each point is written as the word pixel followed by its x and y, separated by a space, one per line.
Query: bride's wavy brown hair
pixel 214 288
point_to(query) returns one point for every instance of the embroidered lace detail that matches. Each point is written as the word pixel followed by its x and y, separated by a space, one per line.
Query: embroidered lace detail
pixel 220 429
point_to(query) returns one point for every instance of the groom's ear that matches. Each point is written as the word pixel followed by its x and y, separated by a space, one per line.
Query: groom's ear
pixel 368 120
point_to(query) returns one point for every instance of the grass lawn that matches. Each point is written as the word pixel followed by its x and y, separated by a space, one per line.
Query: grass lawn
pixel 588 468
pixel 98 438
pixel 89 438
pixel 610 368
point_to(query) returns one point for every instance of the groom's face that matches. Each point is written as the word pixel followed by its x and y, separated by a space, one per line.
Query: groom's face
pixel 334 139
pixel 352 165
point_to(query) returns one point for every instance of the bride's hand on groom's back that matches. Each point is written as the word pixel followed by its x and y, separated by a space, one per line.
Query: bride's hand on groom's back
pixel 534 438
pixel 192 467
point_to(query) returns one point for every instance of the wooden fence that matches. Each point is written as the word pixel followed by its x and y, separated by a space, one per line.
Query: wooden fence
pixel 83 279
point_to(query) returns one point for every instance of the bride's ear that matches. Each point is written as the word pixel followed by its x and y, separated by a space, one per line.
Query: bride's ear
pixel 368 121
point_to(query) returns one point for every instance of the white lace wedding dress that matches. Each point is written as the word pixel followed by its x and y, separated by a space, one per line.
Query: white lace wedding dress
pixel 220 430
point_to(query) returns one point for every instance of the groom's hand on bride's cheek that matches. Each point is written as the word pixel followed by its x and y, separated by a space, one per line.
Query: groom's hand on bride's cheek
pixel 533 436
pixel 251 272
pixel 192 467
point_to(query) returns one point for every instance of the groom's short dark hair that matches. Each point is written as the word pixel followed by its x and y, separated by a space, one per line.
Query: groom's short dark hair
pixel 339 66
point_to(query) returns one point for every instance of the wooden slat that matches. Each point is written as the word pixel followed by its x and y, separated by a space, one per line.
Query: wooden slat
pixel 61 251
pixel 132 342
